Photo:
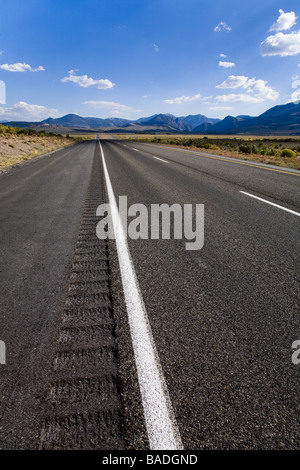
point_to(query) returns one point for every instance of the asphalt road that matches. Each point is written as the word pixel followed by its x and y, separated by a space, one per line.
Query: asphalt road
pixel 223 318
pixel 59 387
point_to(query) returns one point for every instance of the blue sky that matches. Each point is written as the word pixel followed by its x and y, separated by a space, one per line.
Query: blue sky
pixel 134 58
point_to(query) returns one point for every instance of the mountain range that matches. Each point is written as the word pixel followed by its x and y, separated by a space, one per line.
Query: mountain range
pixel 282 119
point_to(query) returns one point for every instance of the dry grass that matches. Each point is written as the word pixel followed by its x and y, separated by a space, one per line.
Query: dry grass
pixel 93 136
pixel 208 136
pixel 17 148
pixel 268 149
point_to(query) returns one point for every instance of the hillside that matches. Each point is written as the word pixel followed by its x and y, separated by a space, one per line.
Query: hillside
pixel 156 122
pixel 17 147
pixel 282 119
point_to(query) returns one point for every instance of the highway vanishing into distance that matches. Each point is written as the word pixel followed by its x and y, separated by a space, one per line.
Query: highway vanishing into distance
pixel 146 344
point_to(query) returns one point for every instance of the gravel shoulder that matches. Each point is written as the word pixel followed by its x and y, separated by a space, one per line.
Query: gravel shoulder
pixel 15 149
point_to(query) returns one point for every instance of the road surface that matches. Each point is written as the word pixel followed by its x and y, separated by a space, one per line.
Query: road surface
pixel 223 318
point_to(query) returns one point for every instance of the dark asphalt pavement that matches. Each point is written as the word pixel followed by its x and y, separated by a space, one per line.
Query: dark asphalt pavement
pixel 41 206
pixel 223 318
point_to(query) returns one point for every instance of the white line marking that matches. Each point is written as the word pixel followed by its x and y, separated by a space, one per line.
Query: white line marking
pixel 161 425
pixel 160 159
pixel 135 149
pixel 271 203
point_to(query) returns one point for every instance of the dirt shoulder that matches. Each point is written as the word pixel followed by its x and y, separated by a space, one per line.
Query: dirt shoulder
pixel 18 148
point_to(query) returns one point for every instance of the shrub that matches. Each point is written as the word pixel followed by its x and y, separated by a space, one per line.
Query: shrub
pixel 245 148
pixel 288 153
pixel 248 148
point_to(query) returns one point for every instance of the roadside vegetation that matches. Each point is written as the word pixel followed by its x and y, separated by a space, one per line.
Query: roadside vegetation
pixel 17 145
pixel 280 151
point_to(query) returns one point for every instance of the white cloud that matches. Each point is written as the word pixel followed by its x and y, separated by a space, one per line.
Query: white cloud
pixel 222 26
pixel 259 87
pixel 116 109
pixel 284 22
pixel 226 64
pixel 281 44
pixel 183 99
pixel 22 111
pixel 187 99
pixel 296 81
pixel 238 98
pixel 295 96
pixel 206 98
pixel 85 81
pixel 156 47
pixel 220 108
pixel 21 67
pixel 233 81
pixel 223 56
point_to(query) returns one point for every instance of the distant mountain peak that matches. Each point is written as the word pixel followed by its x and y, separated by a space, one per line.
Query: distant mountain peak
pixel 284 119
pixel 280 119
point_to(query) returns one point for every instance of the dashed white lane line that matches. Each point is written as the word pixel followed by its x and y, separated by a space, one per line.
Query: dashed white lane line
pixel 161 159
pixel 271 203
pixel 160 421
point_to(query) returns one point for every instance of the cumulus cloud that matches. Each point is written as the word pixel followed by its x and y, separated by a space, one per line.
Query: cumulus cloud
pixel 116 109
pixel 222 26
pixel 223 56
pixel 183 99
pixel 259 89
pixel 226 64
pixel 295 96
pixel 22 111
pixel 187 99
pixel 295 81
pixel 220 108
pixel 281 44
pixel 21 67
pixel 85 81
pixel 233 81
pixel 239 98
pixel 284 22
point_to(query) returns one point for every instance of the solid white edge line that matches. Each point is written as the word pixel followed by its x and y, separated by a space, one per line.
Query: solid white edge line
pixel 157 158
pixel 271 203
pixel 160 421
